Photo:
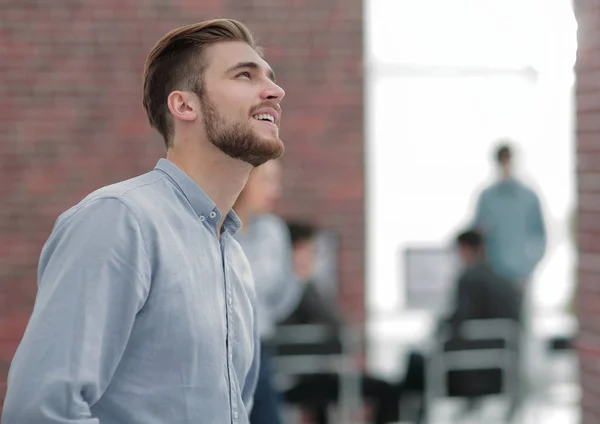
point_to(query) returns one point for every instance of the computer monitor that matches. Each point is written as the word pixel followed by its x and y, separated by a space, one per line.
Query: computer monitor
pixel 430 274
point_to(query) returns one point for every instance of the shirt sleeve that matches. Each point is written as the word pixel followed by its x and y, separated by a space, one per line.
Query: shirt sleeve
pixel 93 278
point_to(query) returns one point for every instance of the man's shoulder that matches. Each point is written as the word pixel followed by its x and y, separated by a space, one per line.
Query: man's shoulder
pixel 488 190
pixel 129 190
pixel 479 272
pixel 498 187
pixel 493 187
pixel 134 194
pixel 529 191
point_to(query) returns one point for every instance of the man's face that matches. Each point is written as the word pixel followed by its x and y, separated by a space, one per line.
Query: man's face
pixel 463 254
pixel 240 103
pixel 467 254
pixel 303 258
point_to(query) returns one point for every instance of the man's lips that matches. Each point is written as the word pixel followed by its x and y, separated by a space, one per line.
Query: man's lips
pixel 268 111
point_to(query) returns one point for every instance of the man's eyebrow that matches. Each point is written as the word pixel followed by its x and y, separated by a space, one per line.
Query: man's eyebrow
pixel 251 65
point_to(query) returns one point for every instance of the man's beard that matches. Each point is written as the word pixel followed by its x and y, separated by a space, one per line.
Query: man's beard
pixel 237 140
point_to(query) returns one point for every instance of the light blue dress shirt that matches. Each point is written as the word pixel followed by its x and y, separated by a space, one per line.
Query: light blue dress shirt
pixel 266 242
pixel 143 314
pixel 510 216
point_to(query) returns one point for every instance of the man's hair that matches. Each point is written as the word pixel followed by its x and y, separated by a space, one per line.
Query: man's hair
pixel 503 153
pixel 470 238
pixel 177 63
pixel 301 231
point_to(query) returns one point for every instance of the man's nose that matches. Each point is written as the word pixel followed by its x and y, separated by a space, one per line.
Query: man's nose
pixel 273 92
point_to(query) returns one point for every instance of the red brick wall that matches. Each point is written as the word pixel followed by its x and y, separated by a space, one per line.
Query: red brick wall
pixel 71 119
pixel 588 156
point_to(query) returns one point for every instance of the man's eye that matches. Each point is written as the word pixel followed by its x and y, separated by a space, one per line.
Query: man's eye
pixel 244 74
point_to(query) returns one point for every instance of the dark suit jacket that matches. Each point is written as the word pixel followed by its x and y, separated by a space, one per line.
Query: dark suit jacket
pixel 482 294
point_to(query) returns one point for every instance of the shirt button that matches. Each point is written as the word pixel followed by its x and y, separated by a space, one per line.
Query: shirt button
pixel 235 414
pixel 212 214
pixel 202 218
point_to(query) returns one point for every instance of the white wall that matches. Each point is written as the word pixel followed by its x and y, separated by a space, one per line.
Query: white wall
pixel 445 80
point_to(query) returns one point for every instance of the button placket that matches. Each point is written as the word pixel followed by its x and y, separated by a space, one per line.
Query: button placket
pixel 229 310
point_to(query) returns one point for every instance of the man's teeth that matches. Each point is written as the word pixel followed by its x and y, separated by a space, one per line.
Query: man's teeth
pixel 264 116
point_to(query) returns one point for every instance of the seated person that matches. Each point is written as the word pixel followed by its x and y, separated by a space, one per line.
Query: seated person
pixel 480 294
pixel 315 392
pixel 313 307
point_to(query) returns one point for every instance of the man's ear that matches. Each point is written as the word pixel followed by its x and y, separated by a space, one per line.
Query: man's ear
pixel 183 105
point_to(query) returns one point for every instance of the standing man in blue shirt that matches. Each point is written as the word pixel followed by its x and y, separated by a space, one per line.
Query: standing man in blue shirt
pixel 510 217
pixel 145 306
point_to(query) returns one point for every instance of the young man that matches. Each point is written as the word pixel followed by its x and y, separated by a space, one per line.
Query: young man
pixel 144 313
pixel 266 242
pixel 509 216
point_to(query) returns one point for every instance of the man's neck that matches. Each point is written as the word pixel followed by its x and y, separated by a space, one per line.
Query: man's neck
pixel 505 173
pixel 221 177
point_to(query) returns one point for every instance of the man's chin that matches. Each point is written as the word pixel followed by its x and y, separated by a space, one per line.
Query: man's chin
pixel 255 151
pixel 276 143
pixel 264 151
pixel 270 145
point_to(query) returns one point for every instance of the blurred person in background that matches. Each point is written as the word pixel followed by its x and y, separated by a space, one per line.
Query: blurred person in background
pixel 265 240
pixel 316 392
pixel 145 306
pixel 509 215
pixel 313 307
pixel 480 294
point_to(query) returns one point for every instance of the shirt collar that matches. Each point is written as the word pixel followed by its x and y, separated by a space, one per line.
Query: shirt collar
pixel 203 205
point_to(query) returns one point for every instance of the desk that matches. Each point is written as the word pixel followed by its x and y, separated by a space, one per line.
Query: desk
pixel 391 337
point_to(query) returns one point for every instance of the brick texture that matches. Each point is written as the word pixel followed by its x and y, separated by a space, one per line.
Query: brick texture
pixel 71 120
pixel 588 170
